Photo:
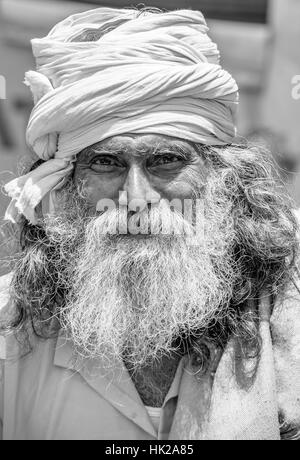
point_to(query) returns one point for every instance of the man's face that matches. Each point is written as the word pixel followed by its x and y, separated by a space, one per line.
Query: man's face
pixel 147 167
pixel 139 296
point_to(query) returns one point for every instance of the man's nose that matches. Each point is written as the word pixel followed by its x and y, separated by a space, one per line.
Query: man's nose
pixel 138 189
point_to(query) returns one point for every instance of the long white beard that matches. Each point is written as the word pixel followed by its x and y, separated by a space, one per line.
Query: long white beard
pixel 134 296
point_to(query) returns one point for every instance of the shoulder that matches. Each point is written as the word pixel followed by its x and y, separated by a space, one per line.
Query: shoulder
pixel 5 307
pixel 5 281
pixel 4 294
pixel 285 330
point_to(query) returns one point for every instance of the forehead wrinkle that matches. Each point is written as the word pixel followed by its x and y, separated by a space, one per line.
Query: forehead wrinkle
pixel 165 146
pixel 143 149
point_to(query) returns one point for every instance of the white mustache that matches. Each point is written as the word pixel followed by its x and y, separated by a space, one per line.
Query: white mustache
pixel 151 220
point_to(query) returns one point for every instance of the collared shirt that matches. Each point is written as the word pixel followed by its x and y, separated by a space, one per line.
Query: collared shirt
pixel 50 396
pixel 47 395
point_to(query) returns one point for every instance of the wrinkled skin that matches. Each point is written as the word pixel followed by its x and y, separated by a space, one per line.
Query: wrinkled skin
pixel 168 169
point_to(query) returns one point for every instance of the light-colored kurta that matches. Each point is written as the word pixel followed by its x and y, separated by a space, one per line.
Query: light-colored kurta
pixel 46 395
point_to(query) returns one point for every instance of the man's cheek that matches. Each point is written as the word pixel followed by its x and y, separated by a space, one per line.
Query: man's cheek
pixel 185 185
pixel 94 188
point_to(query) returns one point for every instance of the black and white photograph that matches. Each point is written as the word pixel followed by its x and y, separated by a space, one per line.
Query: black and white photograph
pixel 150 223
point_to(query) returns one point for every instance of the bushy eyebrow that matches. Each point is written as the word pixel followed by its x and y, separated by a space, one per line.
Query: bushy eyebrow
pixel 162 149
pixel 159 149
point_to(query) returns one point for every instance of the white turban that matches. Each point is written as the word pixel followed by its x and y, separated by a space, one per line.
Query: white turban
pixel 154 73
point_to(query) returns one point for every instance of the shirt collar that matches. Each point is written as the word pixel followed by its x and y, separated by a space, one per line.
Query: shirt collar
pixel 114 384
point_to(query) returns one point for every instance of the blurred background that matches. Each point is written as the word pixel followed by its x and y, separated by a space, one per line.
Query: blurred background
pixel 259 42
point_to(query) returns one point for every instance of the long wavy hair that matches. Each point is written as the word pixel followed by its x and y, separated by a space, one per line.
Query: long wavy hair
pixel 265 251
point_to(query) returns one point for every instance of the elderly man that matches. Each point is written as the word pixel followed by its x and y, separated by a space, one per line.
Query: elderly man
pixel 155 296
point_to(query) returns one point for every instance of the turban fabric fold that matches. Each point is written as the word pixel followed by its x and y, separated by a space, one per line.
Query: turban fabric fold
pixel 149 73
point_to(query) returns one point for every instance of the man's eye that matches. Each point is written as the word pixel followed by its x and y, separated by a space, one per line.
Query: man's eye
pixel 167 160
pixel 104 163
